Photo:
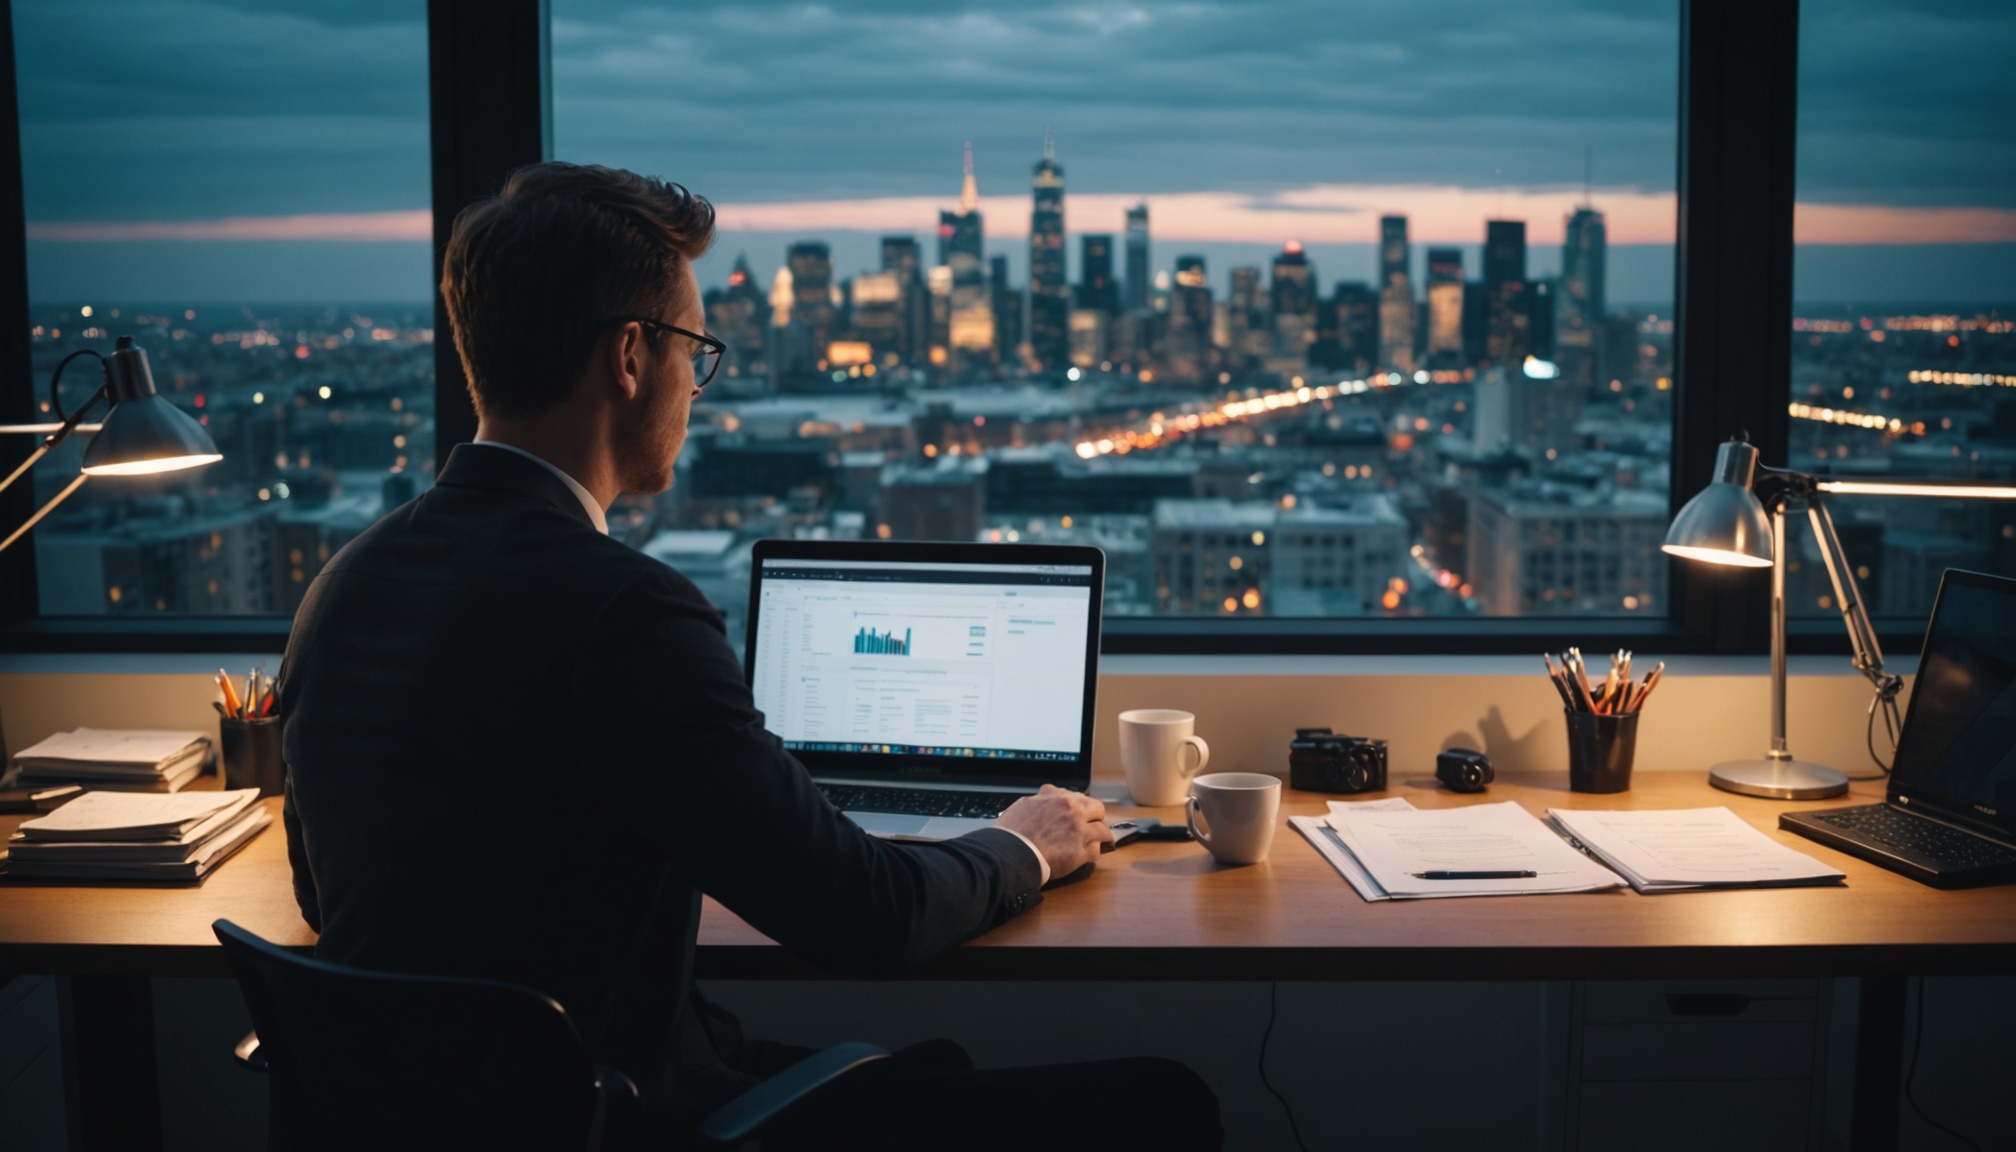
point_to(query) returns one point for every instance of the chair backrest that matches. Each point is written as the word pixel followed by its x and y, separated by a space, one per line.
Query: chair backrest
pixel 363 1059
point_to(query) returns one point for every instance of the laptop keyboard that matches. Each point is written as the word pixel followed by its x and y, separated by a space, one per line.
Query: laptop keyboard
pixel 1953 849
pixel 918 801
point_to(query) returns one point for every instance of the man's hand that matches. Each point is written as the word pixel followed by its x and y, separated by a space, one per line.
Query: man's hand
pixel 1066 827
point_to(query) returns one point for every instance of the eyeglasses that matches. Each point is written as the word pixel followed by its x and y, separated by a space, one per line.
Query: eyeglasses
pixel 706 361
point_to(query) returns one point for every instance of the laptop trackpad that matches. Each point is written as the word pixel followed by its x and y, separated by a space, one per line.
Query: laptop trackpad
pixel 896 826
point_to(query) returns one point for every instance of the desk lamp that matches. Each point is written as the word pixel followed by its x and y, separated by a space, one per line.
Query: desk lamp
pixel 1727 523
pixel 141 433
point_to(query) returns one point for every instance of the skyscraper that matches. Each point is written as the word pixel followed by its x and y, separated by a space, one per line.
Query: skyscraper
pixel 900 257
pixel 1137 258
pixel 1506 318
pixel 1581 302
pixel 1292 291
pixel 1007 310
pixel 812 310
pixel 1049 294
pixel 1445 306
pixel 1396 296
pixel 1096 289
pixel 960 239
pixel 1189 318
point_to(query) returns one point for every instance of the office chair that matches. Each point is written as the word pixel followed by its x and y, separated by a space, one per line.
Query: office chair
pixel 361 1059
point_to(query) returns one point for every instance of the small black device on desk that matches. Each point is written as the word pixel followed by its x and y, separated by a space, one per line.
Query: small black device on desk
pixel 1320 760
pixel 1949 816
pixel 1461 770
pixel 1143 828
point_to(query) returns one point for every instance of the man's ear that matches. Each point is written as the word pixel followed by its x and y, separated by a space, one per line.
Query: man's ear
pixel 622 358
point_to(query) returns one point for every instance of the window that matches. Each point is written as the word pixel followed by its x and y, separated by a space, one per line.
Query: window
pixel 1342 310
pixel 1904 341
pixel 243 188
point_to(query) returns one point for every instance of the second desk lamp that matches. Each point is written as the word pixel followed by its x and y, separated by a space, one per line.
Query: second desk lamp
pixel 142 433
pixel 1727 523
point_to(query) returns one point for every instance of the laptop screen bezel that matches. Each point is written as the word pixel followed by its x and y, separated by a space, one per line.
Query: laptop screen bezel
pixel 928 769
pixel 1899 792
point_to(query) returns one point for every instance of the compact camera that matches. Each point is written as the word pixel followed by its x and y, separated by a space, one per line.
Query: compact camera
pixel 1322 761
pixel 1461 770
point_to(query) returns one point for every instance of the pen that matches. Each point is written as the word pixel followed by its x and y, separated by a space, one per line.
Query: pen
pixel 1510 875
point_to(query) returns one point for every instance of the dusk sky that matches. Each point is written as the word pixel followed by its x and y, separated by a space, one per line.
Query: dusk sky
pixel 254 150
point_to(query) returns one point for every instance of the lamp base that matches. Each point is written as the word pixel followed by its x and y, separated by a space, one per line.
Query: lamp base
pixel 1779 779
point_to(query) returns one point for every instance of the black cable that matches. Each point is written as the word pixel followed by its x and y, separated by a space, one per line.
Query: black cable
pixel 1911 1076
pixel 1273 1009
pixel 56 401
pixel 1886 699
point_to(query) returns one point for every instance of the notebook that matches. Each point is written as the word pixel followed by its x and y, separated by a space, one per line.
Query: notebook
pixel 1949 816
pixel 927 686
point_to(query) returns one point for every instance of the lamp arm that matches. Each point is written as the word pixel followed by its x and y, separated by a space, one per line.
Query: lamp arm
pixel 63 432
pixel 45 510
pixel 1861 632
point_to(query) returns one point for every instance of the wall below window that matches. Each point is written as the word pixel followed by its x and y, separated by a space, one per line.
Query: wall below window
pixel 1706 710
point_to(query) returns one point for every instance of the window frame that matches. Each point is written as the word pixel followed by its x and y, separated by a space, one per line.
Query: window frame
pixel 490 112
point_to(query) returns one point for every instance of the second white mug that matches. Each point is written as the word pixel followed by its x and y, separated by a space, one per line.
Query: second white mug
pixel 1153 754
pixel 1233 814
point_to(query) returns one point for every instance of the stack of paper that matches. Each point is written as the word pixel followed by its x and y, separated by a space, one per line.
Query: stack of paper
pixel 1689 848
pixel 116 759
pixel 115 836
pixel 1389 850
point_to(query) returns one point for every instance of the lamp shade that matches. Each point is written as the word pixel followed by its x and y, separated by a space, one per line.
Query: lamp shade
pixel 148 434
pixel 1725 523
pixel 143 433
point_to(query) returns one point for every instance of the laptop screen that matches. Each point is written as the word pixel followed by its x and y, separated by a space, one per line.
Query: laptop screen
pixel 968 662
pixel 1957 752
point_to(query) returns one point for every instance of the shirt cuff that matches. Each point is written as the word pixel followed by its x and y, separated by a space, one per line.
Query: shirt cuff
pixel 1040 861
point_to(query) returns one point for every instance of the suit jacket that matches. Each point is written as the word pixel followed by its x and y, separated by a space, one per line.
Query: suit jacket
pixel 518 749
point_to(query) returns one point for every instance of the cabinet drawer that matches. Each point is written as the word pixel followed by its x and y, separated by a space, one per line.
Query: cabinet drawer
pixel 1683 1117
pixel 1620 1002
pixel 1698 1050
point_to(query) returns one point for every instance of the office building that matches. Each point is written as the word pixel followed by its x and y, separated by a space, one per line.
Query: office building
pixel 901 259
pixel 1049 294
pixel 1292 296
pixel 1542 548
pixel 740 316
pixel 1008 304
pixel 1581 306
pixel 1096 287
pixel 1089 336
pixel 1445 307
pixel 1137 258
pixel 1248 320
pixel 970 330
pixel 1187 338
pixel 875 312
pixel 1507 319
pixel 1349 337
pixel 942 500
pixel 1396 296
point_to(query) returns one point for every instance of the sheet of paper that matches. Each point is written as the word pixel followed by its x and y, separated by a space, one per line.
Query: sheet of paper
pixel 1690 847
pixel 1324 838
pixel 130 815
pixel 1394 846
pixel 146 746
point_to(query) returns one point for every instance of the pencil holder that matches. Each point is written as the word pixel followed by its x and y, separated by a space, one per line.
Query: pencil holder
pixel 251 754
pixel 1600 750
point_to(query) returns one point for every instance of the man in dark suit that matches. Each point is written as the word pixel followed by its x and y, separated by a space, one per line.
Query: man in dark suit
pixel 519 749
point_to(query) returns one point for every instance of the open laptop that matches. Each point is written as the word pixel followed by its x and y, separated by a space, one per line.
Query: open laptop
pixel 927 686
pixel 1950 816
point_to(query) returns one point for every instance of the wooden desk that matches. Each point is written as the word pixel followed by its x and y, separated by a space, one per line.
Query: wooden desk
pixel 1161 912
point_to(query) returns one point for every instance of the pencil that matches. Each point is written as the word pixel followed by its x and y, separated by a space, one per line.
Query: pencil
pixel 1554 678
pixel 231 704
pixel 1652 682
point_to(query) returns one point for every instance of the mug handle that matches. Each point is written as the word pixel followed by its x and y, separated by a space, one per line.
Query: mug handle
pixel 1203 754
pixel 1190 817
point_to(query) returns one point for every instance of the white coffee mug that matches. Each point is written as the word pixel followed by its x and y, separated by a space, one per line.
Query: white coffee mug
pixel 1152 756
pixel 1238 811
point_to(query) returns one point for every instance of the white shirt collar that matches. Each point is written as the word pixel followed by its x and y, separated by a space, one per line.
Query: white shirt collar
pixel 588 503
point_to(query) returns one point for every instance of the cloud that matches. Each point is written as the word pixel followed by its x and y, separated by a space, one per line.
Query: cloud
pixel 367 227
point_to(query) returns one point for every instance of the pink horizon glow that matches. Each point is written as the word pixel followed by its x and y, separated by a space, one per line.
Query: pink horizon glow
pixel 1317 214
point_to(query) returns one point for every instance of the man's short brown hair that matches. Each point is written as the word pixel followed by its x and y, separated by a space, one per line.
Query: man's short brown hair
pixel 533 277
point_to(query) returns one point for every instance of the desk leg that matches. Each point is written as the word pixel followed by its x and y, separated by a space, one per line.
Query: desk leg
pixel 1879 1064
pixel 109 1079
